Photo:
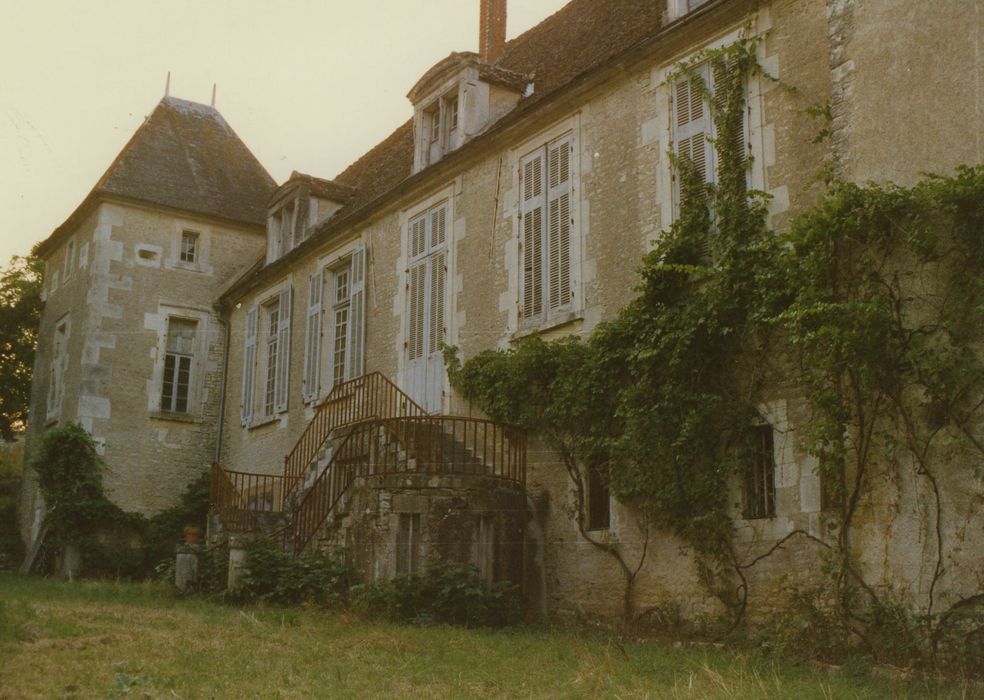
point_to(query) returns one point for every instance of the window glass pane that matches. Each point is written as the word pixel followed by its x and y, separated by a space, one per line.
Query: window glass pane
pixel 189 246
pixel 181 335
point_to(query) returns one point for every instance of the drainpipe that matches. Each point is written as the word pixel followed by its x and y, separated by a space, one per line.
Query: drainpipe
pixel 225 377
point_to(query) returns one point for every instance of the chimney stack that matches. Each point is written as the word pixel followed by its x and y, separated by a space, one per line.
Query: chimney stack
pixel 492 30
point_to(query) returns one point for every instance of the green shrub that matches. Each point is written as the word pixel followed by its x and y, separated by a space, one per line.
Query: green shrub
pixel 165 529
pixel 445 593
pixel 270 574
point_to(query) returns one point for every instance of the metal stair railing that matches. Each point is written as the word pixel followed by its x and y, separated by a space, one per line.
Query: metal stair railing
pixel 370 395
pixel 419 444
pixel 243 498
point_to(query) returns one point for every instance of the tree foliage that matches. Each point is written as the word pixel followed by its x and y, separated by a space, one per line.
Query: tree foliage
pixel 20 314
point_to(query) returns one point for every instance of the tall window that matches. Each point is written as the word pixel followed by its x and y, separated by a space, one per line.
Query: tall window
pixel 266 357
pixel 340 324
pixel 427 282
pixel 312 338
pixel 760 475
pixel 189 247
pixel 272 320
pixel 693 124
pixel 56 373
pixel 178 358
pixel 547 220
pixel 337 295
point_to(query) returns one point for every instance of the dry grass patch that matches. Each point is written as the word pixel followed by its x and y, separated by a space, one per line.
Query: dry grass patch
pixel 99 640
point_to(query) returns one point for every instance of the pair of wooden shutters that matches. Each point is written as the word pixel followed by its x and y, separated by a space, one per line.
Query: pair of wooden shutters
pixel 427 282
pixel 547 222
pixel 350 347
pixel 693 122
pixel 276 317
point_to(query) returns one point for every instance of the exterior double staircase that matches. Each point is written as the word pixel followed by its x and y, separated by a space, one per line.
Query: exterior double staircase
pixel 366 427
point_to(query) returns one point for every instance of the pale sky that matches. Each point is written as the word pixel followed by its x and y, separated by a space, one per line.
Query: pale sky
pixel 308 85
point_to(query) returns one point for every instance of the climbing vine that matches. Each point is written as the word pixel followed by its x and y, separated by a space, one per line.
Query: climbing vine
pixel 870 307
pixel 80 516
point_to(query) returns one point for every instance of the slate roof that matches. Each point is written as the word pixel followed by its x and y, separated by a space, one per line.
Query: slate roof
pixel 185 156
pixel 574 40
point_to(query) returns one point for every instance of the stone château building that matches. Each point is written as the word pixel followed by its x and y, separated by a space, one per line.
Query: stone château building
pixel 195 313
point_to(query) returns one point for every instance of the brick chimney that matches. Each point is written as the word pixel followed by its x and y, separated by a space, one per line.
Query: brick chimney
pixel 492 30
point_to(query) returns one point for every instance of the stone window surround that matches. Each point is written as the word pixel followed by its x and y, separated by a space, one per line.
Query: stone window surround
pixel 155 386
pixel 757 132
pixel 575 312
pixel 266 298
pixel 202 247
pixel 445 194
pixel 326 263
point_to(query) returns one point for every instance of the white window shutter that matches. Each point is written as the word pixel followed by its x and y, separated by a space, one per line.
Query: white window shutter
pixel 416 292
pixel 531 212
pixel 312 341
pixel 357 314
pixel 418 236
pixel 283 353
pixel 740 144
pixel 249 366
pixel 692 125
pixel 438 285
pixel 559 223
pixel 438 226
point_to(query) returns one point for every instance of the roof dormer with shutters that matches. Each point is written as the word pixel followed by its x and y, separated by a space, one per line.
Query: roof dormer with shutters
pixel 296 207
pixel 465 93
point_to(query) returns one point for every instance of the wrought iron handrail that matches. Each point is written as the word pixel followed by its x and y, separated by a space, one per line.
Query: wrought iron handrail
pixel 240 497
pixel 415 444
pixel 348 403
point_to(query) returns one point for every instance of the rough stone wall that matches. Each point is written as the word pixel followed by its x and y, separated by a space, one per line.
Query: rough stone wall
pixel 466 520
pixel 907 88
pixel 119 303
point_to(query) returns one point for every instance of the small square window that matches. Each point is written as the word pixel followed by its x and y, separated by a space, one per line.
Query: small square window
pixel 189 247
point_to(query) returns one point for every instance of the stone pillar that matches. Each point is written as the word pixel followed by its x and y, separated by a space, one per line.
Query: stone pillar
pixel 186 566
pixel 237 560
pixel 70 562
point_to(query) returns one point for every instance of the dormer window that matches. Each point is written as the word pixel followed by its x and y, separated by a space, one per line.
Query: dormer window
pixel 458 99
pixel 676 9
pixel 284 228
pixel 441 123
pixel 434 117
pixel 452 113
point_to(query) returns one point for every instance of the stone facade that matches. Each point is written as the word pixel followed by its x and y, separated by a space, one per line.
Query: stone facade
pixel 125 268
pixel 612 125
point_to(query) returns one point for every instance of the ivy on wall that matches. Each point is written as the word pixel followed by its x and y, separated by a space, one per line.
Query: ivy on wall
pixel 78 514
pixel 870 307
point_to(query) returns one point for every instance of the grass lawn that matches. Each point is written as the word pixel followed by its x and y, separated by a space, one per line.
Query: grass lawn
pixel 101 639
